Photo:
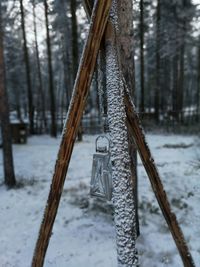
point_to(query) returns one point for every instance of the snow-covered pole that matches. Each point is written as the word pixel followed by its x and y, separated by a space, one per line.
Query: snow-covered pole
pixel 123 198
pixel 81 88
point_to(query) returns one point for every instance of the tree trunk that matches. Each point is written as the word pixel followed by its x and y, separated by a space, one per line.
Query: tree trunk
pixel 157 89
pixel 75 56
pixel 175 85
pixel 198 85
pixel 4 116
pixel 181 81
pixel 181 77
pixel 125 42
pixel 66 46
pixel 18 106
pixel 142 56
pixel 50 71
pixel 182 62
pixel 123 198
pixel 28 74
pixel 41 107
pixel 73 4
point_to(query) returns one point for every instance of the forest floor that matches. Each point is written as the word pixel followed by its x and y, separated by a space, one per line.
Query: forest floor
pixel 83 233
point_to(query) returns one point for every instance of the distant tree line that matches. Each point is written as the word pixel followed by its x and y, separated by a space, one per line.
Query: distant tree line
pixel 167 57
pixel 43 40
pixel 42 45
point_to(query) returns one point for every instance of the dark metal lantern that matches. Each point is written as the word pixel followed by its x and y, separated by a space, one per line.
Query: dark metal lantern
pixel 101 180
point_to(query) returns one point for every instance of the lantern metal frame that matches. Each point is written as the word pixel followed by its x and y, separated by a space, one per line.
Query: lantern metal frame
pixel 101 178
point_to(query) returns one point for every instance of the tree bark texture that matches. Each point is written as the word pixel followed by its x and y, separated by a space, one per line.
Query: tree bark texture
pixel 123 198
pixel 125 42
pixel 50 72
pixel 125 46
pixel 28 73
pixel 4 117
pixel 78 102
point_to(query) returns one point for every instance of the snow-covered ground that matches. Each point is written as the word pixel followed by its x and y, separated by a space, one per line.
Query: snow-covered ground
pixel 83 233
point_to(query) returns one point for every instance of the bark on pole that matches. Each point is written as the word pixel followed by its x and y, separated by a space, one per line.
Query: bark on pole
pixel 78 101
pixel 123 198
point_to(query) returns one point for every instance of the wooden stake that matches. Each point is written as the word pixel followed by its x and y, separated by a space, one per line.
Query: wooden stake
pixel 81 88
pixel 135 127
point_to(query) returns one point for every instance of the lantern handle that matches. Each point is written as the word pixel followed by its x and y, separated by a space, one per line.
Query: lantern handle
pixel 105 148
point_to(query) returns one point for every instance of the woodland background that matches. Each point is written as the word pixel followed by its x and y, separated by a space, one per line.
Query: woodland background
pixel 43 41
pixel 41 47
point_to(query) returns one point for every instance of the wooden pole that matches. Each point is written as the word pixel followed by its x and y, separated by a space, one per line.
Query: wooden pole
pixel 136 131
pixel 134 126
pixel 81 88
pixel 123 197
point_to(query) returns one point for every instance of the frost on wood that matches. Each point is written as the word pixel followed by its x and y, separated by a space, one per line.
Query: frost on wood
pixel 123 198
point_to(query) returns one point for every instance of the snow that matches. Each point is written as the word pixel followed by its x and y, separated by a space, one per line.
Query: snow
pixel 83 233
pixel 123 198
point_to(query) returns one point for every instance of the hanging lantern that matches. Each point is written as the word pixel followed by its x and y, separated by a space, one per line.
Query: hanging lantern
pixel 101 180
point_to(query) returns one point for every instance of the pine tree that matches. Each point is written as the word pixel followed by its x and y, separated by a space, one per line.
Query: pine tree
pixel 50 73
pixel 4 116
pixel 28 71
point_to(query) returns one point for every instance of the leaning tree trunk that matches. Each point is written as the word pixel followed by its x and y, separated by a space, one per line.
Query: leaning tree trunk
pixel 5 123
pixel 50 70
pixel 28 73
pixel 123 198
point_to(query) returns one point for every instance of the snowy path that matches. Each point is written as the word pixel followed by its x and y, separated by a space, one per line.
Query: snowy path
pixel 83 234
